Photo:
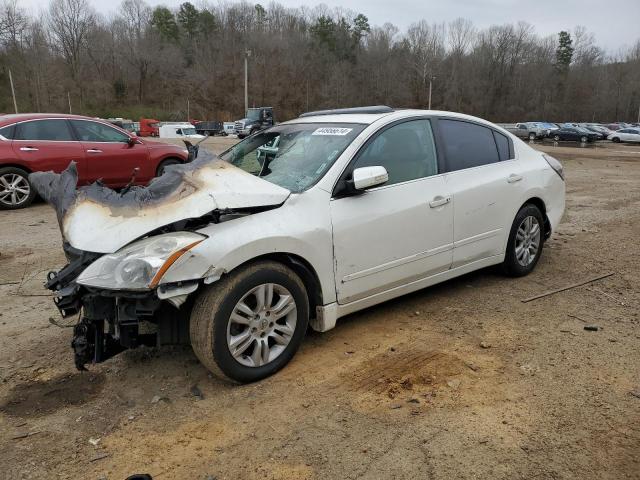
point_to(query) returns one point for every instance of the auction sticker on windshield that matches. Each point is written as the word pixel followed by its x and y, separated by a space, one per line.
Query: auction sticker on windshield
pixel 332 131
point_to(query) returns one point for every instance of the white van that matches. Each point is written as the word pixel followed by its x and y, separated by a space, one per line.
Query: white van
pixel 179 130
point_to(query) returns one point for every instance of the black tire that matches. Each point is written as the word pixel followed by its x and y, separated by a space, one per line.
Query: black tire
pixel 556 138
pixel 615 140
pixel 511 266
pixel 532 137
pixel 20 201
pixel 584 139
pixel 212 310
pixel 165 163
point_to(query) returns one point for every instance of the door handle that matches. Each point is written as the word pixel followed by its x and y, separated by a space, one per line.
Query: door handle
pixel 28 149
pixel 94 150
pixel 513 178
pixel 439 201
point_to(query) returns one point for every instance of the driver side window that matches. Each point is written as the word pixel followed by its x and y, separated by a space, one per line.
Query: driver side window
pixel 407 150
pixel 97 132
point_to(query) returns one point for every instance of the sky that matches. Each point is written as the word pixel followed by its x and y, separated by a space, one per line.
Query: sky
pixel 616 24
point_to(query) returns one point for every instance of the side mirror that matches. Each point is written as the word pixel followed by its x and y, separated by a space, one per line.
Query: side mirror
pixel 367 177
pixel 132 141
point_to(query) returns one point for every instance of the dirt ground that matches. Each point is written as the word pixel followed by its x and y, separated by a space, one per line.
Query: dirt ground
pixel 459 381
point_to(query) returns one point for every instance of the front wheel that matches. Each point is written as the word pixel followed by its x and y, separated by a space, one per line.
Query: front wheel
pixel 615 140
pixel 556 138
pixel 249 324
pixel 584 139
pixel 15 189
pixel 532 137
pixel 525 243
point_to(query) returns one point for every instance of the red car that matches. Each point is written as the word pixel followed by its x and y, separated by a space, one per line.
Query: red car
pixel 42 142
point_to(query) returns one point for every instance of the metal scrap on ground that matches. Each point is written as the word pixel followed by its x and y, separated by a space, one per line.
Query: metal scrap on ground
pixel 568 287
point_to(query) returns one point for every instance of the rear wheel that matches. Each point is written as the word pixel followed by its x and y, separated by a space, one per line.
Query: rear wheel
pixel 584 139
pixel 249 324
pixel 556 138
pixel 532 137
pixel 165 163
pixel 615 139
pixel 15 189
pixel 526 240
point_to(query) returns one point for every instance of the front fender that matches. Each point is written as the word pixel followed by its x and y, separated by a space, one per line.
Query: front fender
pixel 285 230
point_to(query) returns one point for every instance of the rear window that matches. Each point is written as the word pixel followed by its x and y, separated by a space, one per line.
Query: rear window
pixel 7 132
pixel 467 145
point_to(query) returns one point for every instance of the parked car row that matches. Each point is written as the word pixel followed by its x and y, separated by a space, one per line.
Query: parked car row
pixel 575 132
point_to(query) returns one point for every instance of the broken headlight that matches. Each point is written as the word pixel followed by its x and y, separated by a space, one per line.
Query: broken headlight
pixel 141 265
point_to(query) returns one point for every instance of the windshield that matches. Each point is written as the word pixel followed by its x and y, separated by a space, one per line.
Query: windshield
pixel 293 156
pixel 253 114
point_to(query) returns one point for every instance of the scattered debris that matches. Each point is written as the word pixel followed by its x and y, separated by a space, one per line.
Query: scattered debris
pixel 94 441
pixel 562 289
pixel 454 383
pixel 472 366
pixel 99 456
pixel 484 344
pixel 24 435
pixel 591 328
pixel 635 393
pixel 413 400
pixel 395 406
pixel 158 398
pixel 196 392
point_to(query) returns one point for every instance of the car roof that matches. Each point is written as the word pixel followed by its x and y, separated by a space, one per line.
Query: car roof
pixel 21 117
pixel 369 118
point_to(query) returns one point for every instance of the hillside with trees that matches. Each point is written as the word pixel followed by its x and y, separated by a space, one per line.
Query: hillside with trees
pixel 143 61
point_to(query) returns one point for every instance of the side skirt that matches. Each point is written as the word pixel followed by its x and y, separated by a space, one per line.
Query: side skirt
pixel 327 315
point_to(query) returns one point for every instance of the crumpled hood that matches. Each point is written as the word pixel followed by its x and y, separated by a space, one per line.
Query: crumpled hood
pixel 96 218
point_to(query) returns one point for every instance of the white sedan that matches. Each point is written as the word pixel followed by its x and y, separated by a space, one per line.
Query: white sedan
pixel 297 225
pixel 625 135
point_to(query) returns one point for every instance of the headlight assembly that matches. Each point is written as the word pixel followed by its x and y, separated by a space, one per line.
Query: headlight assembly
pixel 141 265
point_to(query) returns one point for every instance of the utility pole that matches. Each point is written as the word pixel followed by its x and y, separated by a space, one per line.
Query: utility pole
pixel 638 113
pixel 247 54
pixel 431 79
pixel 188 116
pixel 13 92
pixel 69 100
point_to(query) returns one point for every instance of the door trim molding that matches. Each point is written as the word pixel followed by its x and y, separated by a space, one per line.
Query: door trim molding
pixel 396 263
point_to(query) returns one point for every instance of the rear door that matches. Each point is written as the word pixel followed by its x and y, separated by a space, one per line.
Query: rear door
pixel 109 155
pixel 485 182
pixel 48 144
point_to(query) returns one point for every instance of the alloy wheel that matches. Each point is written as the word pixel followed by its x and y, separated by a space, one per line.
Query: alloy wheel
pixel 14 189
pixel 527 240
pixel 261 325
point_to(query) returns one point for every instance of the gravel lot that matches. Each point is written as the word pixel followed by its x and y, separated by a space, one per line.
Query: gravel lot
pixel 459 381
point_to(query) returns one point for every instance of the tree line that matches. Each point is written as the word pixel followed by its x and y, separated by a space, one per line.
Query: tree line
pixel 189 61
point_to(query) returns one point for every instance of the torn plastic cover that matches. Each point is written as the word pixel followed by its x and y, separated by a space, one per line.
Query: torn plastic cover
pixel 97 218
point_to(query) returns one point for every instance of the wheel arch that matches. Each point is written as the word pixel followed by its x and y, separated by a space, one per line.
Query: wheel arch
pixel 16 165
pixel 302 268
pixel 538 202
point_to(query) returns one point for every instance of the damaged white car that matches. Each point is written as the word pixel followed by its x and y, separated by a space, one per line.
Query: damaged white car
pixel 297 225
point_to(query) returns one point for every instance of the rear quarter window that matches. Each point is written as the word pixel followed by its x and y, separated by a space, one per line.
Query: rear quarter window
pixel 8 131
pixel 504 147
pixel 467 145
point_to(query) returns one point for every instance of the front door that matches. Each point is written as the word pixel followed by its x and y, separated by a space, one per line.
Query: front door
pixel 401 231
pixel 109 155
